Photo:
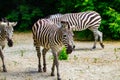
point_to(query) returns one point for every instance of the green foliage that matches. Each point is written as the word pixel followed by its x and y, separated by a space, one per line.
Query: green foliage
pixel 63 55
pixel 113 22
pixel 88 3
pixel 25 16
pixel 13 16
pixel 81 35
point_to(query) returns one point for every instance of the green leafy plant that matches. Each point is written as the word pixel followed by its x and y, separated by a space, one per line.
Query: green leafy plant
pixel 114 22
pixel 63 54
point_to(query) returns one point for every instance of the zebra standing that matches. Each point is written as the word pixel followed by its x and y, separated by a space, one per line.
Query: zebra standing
pixel 6 32
pixel 84 20
pixel 50 36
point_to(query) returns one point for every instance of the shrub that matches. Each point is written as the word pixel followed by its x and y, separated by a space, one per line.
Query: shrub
pixel 114 22
pixel 25 17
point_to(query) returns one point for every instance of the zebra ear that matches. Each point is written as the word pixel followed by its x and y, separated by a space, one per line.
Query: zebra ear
pixel 12 24
pixel 65 24
pixel 4 19
pixel 15 23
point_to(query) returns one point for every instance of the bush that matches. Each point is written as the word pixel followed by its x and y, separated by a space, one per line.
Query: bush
pixel 25 16
pixel 83 35
pixel 63 54
pixel 113 22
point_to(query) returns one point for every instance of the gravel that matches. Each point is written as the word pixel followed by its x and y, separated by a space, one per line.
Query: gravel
pixel 83 64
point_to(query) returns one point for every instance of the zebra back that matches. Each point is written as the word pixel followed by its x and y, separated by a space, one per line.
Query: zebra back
pixel 80 21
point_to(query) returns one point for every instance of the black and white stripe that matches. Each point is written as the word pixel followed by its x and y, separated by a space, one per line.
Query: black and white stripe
pixel 50 36
pixel 84 20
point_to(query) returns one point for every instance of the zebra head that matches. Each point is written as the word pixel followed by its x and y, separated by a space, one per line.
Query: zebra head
pixel 67 36
pixel 8 29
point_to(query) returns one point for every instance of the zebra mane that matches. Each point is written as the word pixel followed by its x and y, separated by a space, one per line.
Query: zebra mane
pixel 54 16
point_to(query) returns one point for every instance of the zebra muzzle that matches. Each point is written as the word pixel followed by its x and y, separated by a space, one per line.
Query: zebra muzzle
pixel 10 42
pixel 69 49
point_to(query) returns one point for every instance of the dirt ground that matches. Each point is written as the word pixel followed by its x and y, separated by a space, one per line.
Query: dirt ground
pixel 83 64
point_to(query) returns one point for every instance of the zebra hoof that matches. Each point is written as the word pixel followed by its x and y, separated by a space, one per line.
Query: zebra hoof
pixel 44 69
pixel 39 70
pixel 59 79
pixel 94 47
pixel 52 74
pixel 102 45
pixel 4 70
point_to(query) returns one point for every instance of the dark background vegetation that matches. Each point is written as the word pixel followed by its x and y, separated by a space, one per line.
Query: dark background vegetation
pixel 27 12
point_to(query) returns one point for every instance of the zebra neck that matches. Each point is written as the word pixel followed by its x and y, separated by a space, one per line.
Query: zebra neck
pixel 2 35
pixel 58 35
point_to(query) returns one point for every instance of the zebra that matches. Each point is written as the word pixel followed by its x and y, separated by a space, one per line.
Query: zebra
pixel 83 20
pixel 50 36
pixel 6 32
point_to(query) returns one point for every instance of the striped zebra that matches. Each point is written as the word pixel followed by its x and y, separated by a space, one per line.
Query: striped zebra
pixel 83 20
pixel 50 36
pixel 6 32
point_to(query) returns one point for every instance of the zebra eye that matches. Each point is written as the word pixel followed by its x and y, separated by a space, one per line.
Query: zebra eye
pixel 64 35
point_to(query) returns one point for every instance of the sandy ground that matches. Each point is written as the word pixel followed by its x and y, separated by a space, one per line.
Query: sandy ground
pixel 83 64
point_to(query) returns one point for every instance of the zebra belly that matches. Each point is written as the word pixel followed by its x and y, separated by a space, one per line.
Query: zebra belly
pixel 44 44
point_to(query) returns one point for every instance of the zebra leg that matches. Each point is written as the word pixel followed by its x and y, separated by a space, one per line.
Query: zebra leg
pixel 53 68
pixel 39 59
pixel 95 32
pixel 55 63
pixel 2 58
pixel 44 58
pixel 96 38
pixel 101 40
